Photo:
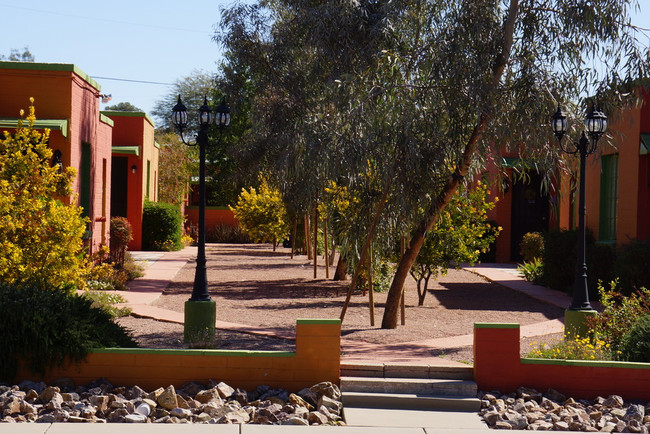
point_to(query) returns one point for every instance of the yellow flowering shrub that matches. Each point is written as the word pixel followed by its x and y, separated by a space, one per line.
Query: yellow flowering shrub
pixel 40 235
pixel 573 348
pixel 261 214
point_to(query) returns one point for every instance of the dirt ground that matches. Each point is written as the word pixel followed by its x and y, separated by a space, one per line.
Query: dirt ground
pixel 255 286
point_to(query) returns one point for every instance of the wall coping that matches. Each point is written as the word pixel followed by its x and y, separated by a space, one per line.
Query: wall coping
pixel 193 352
pixel 586 363
pixel 33 66
pixel 492 325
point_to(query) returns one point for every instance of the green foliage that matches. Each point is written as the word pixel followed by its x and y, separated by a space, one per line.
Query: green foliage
pixel 107 301
pixel 460 235
pixel 532 246
pixel 631 265
pixel 533 271
pixel 177 165
pixel 261 214
pixel 161 227
pixel 40 231
pixel 619 314
pixel 635 346
pixel 573 349
pixel 16 55
pixel 47 326
pixel 123 107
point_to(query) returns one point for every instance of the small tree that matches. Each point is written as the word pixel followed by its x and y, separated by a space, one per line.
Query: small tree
pixel 40 234
pixel 262 214
pixel 461 234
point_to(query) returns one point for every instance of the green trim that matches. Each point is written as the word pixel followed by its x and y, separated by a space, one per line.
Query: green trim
pixel 128 114
pixel 644 146
pixel 169 352
pixel 39 124
pixel 495 325
pixel 586 363
pixel 106 119
pixel 318 321
pixel 32 66
pixel 156 144
pixel 133 150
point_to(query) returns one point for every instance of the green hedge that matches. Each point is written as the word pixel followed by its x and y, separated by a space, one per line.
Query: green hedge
pixel 43 327
pixel 161 227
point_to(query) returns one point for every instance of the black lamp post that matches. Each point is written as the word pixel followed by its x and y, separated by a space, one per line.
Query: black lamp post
pixel 596 124
pixel 222 120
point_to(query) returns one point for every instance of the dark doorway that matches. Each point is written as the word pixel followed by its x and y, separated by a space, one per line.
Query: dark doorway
pixel 529 211
pixel 119 185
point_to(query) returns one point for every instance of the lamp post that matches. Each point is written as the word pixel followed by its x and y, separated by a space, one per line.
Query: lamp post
pixel 200 309
pixel 596 124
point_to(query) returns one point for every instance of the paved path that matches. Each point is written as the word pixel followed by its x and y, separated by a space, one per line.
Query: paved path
pixel 161 268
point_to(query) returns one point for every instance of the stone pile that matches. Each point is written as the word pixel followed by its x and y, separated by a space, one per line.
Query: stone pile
pixel 101 402
pixel 528 409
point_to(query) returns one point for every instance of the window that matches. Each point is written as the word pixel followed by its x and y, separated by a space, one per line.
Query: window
pixel 84 179
pixel 608 198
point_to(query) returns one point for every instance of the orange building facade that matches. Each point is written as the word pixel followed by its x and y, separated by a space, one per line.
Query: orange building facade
pixel 67 102
pixel 134 173
pixel 617 192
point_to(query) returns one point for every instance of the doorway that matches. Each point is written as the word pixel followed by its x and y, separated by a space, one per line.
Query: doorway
pixel 119 186
pixel 530 211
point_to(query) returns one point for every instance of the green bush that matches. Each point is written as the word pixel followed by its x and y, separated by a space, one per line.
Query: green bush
pixel 161 227
pixel 121 233
pixel 43 327
pixel 533 271
pixel 532 246
pixel 636 343
pixel 631 266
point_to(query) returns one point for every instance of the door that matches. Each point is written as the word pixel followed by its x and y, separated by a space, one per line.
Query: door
pixel 530 211
pixel 119 186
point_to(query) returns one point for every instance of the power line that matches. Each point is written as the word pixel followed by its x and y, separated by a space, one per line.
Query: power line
pixel 134 81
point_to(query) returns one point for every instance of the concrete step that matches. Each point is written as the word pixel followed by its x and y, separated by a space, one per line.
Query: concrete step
pixel 410 401
pixel 388 370
pixel 417 386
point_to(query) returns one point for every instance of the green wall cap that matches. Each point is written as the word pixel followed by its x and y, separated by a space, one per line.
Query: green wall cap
pixel 194 352
pixel 33 66
pixel 106 119
pixel 39 124
pixel 111 113
pixel 133 150
pixel 586 363
pixel 318 321
pixel 207 207
pixel 156 144
pixel 494 325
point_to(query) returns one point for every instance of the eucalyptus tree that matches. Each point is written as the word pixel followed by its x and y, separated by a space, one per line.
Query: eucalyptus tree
pixel 406 99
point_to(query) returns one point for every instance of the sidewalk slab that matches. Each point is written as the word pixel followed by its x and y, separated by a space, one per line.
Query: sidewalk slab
pixel 139 428
pixel 445 420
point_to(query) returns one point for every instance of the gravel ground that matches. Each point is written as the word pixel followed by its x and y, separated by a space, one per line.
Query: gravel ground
pixel 256 286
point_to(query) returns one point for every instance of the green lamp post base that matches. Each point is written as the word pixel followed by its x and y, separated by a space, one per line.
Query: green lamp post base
pixel 575 322
pixel 200 320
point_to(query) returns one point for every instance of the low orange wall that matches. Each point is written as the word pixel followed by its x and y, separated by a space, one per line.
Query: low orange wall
pixel 317 358
pixel 214 215
pixel 498 366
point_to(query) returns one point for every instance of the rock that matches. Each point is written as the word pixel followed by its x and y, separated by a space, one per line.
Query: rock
pixel 46 395
pixel 135 392
pixel 181 402
pixel 224 390
pixel 614 401
pixel 100 402
pixel 295 420
pixel 634 412
pixel 240 396
pixel 317 418
pixel 528 394
pixel 554 395
pixel 181 413
pixel 135 418
pixel 54 403
pixel 46 418
pixel 328 389
pixel 332 405
pixel 298 401
pixel 191 389
pixel 561 426
pixel 210 395
pixel 502 425
pixel 167 399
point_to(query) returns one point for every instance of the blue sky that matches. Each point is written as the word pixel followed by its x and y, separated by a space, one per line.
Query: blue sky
pixel 129 40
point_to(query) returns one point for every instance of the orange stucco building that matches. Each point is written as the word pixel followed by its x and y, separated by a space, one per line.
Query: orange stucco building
pixel 67 102
pixel 617 191
pixel 134 173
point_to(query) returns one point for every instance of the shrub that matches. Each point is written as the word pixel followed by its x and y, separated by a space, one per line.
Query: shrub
pixel 121 233
pixel 577 348
pixel 532 246
pixel 262 214
pixel 107 301
pixel 40 236
pixel 619 314
pixel 533 271
pixel 161 227
pixel 631 265
pixel 46 326
pixel 222 233
pixel 635 346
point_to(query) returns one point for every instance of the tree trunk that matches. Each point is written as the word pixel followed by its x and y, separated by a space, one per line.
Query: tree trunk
pixel 341 266
pixel 417 236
